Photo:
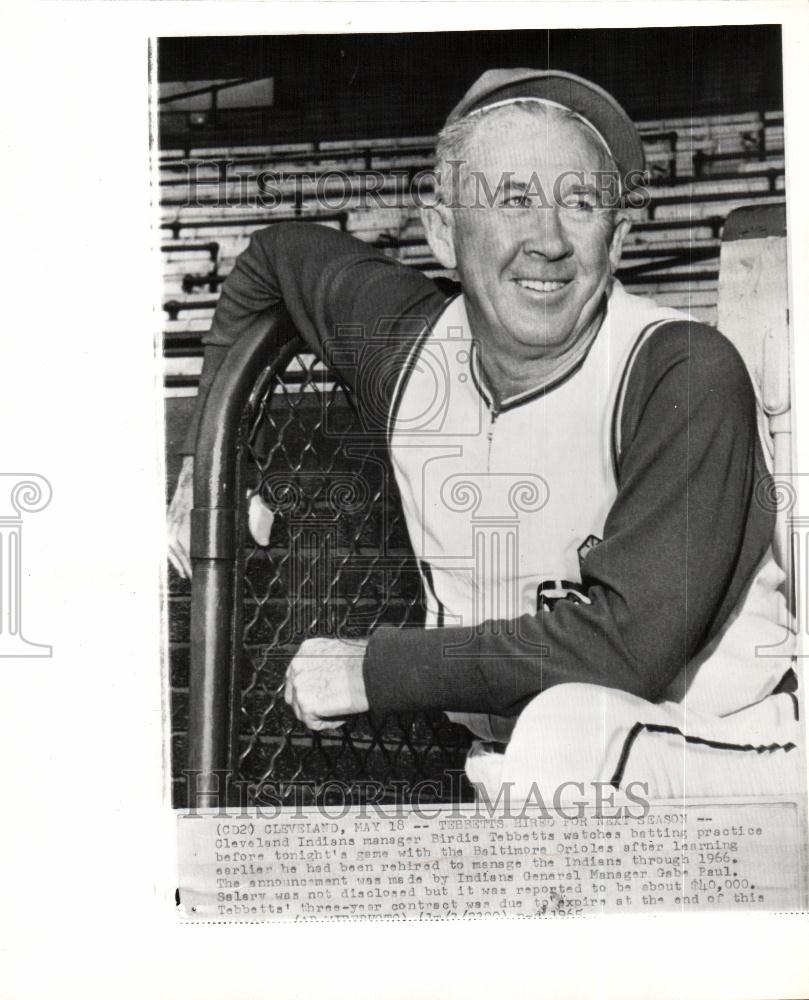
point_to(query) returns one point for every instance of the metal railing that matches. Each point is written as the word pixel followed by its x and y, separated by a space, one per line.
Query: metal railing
pixel 338 562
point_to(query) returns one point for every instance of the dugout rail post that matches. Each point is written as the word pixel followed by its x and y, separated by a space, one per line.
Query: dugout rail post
pixel 215 550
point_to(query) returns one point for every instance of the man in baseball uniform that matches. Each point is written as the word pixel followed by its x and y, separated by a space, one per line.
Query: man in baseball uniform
pixel 577 466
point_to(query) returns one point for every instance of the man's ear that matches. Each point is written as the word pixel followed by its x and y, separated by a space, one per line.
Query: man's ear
pixel 439 230
pixel 619 234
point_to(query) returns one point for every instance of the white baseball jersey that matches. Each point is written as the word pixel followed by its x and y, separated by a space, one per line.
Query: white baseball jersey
pixel 502 499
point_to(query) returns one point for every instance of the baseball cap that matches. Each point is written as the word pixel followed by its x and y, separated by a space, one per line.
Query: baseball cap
pixel 599 109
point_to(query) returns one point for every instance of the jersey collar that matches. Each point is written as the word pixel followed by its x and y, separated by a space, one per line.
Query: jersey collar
pixel 511 402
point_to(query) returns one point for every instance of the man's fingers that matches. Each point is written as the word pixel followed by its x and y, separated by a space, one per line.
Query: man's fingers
pixel 292 671
pixel 304 714
pixel 294 701
pixel 319 725
pixel 315 723
pixel 310 721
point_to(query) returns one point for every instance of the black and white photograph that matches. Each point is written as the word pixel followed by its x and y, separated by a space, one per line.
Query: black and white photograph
pixel 479 437
pixel 477 398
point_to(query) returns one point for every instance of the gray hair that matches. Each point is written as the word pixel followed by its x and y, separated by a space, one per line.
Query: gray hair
pixel 454 142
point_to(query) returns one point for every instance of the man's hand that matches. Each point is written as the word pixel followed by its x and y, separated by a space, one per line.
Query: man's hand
pixel 179 520
pixel 324 682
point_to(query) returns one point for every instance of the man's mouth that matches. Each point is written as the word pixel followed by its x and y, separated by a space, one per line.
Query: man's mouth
pixel 540 286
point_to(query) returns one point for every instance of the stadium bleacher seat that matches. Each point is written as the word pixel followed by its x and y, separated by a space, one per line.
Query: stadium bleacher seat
pixel 700 170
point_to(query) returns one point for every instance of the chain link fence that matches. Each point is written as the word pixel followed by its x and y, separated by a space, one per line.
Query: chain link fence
pixel 337 562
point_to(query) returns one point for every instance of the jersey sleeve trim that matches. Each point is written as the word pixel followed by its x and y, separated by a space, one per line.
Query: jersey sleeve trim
pixel 409 365
pixel 615 436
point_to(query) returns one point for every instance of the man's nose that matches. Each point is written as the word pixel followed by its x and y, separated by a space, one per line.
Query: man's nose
pixel 545 234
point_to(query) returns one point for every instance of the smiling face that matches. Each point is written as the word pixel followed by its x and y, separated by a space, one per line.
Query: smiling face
pixel 533 248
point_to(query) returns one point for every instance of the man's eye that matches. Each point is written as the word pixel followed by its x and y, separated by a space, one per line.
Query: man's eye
pixel 516 201
pixel 582 201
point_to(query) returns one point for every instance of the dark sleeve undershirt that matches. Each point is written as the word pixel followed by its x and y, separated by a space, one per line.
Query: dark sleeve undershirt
pixel 681 542
pixel 329 283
